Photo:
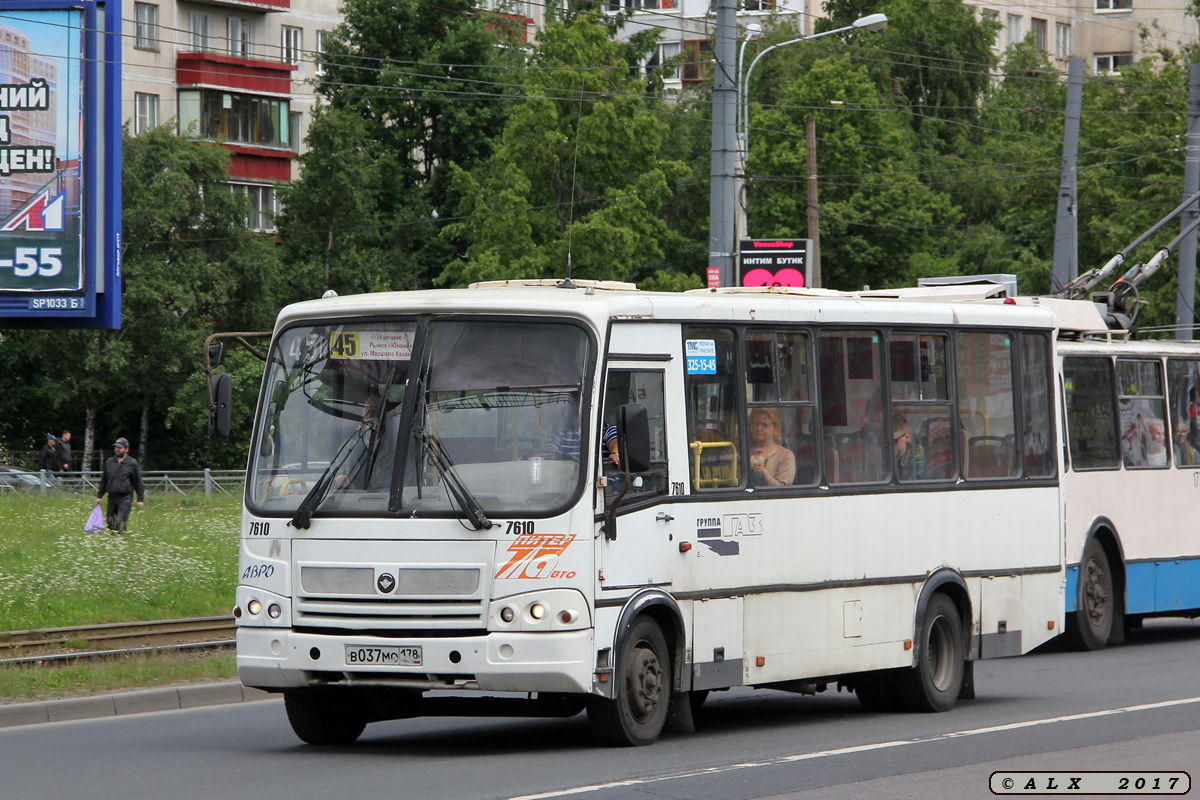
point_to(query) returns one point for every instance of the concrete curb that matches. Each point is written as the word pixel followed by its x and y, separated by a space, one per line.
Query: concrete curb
pixel 119 704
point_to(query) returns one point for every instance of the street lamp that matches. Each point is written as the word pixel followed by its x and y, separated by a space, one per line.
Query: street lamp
pixel 871 22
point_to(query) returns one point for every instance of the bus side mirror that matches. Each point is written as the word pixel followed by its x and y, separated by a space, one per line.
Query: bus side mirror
pixel 220 392
pixel 215 351
pixel 633 431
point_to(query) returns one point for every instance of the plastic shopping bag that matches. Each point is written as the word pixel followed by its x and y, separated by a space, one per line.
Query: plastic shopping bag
pixel 95 521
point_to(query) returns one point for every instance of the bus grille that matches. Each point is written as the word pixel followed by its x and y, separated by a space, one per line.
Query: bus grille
pixel 431 598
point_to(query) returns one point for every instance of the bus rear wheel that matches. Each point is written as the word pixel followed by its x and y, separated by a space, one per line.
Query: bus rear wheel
pixel 636 714
pixel 934 683
pixel 325 718
pixel 1092 624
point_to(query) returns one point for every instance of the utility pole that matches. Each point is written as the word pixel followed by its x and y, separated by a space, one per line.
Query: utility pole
pixel 721 241
pixel 1185 313
pixel 814 214
pixel 1066 230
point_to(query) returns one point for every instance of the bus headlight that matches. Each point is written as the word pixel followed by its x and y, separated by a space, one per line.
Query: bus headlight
pixel 548 610
pixel 254 607
pixel 274 611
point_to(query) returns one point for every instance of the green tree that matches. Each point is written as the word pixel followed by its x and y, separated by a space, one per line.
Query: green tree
pixel 577 174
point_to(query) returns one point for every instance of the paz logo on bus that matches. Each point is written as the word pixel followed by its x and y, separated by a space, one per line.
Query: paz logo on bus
pixel 386 583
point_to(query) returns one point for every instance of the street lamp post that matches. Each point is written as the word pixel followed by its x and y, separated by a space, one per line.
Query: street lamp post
pixel 871 22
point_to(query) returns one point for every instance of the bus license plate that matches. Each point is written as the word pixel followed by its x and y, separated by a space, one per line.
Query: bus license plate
pixel 385 656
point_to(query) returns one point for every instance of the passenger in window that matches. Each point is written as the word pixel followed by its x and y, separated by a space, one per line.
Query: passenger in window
pixel 903 448
pixel 1185 453
pixel 1156 443
pixel 771 464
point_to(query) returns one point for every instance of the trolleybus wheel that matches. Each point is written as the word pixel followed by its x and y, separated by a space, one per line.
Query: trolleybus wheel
pixel 636 714
pixel 936 680
pixel 1093 621
pixel 324 718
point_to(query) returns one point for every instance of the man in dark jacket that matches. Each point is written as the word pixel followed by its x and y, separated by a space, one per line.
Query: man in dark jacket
pixel 48 458
pixel 64 451
pixel 121 478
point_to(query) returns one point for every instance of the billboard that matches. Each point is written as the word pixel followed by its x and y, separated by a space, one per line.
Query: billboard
pixel 774 262
pixel 59 164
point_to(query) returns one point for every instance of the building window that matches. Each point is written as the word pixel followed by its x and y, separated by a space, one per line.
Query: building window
pixel 616 6
pixel 1062 40
pixel 292 44
pixel 260 204
pixel 1039 33
pixel 147 26
pixel 665 53
pixel 294 131
pixel 322 37
pixel 199 26
pixel 758 5
pixel 1114 5
pixel 146 112
pixel 241 37
pixel 1111 63
pixel 698 55
pixel 1016 29
pixel 230 117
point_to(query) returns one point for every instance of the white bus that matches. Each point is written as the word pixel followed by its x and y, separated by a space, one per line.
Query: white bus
pixel 1131 480
pixel 814 491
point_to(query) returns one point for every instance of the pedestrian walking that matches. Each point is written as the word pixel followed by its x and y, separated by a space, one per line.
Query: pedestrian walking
pixel 64 451
pixel 121 479
pixel 48 458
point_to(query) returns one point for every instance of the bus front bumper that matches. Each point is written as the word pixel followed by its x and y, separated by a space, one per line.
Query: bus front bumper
pixel 280 658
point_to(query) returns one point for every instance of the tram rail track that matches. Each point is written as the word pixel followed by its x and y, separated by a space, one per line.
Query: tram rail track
pixel 51 646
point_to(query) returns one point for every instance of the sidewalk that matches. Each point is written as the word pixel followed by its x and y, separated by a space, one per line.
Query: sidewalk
pixel 115 704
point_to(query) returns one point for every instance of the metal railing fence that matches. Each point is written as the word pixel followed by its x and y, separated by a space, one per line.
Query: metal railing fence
pixel 226 482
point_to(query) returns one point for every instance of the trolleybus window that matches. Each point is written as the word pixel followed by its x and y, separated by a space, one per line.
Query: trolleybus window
pixel 985 404
pixel 1184 385
pixel 1142 413
pixel 1091 412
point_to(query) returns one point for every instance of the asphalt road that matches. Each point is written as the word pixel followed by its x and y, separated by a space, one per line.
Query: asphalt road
pixel 1135 708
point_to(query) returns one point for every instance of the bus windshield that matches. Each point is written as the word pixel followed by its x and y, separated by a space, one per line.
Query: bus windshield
pixel 493 427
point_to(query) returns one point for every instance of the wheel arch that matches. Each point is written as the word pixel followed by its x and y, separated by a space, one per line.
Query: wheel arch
pixel 950 582
pixel 662 608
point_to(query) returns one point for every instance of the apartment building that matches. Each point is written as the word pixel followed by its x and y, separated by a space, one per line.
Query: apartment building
pixel 236 72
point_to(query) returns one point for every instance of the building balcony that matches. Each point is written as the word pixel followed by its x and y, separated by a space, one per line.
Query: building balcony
pixel 249 5
pixel 230 72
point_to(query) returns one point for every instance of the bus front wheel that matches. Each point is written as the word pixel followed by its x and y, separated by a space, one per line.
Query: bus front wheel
pixel 325 718
pixel 1093 622
pixel 936 680
pixel 636 714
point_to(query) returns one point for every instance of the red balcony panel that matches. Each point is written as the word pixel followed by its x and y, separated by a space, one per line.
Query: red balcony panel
pixel 242 74
pixel 259 164
pixel 515 26
pixel 256 5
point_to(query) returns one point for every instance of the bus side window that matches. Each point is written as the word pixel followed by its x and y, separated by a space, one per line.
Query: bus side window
pixel 713 426
pixel 644 388
pixel 1184 402
pixel 987 404
pixel 1036 384
pixel 1091 412
pixel 1142 412
pixel 857 447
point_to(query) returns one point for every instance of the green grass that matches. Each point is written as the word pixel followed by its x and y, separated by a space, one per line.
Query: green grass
pixel 178 559
pixel 19 684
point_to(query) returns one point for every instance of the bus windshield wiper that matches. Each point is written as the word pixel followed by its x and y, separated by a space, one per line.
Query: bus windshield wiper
pixel 303 516
pixel 458 490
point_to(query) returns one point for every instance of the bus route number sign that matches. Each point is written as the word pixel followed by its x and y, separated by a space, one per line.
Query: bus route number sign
pixel 701 356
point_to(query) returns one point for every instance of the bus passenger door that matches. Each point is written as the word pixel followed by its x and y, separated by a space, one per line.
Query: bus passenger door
pixel 641 553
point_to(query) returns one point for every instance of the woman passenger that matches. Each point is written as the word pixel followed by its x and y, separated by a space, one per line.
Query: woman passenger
pixel 771 464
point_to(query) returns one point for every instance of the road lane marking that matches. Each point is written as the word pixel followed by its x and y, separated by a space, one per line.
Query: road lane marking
pixel 842 751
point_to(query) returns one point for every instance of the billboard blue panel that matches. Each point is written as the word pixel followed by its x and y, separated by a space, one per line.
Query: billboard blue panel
pixel 59 164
